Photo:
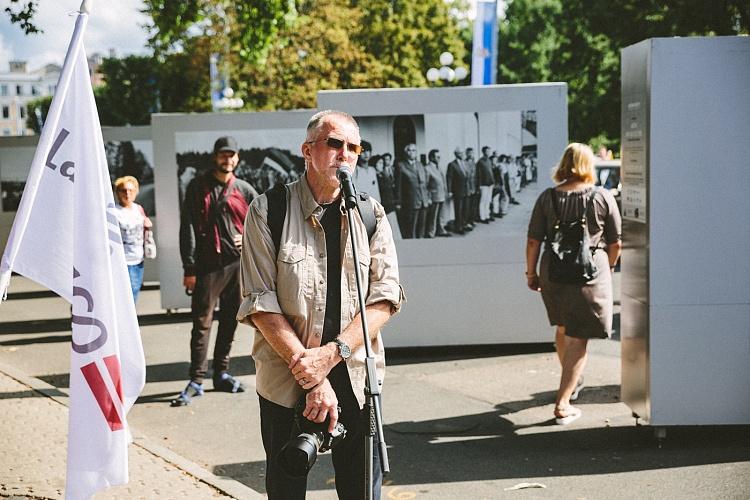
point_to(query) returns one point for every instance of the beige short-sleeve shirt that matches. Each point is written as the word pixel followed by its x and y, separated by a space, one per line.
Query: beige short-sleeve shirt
pixel 293 282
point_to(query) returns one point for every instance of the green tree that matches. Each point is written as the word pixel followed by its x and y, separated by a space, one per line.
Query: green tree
pixel 24 15
pixel 579 42
pixel 334 44
pixel 316 51
pixel 131 91
pixel 245 28
pixel 408 37
pixel 184 84
pixel 37 110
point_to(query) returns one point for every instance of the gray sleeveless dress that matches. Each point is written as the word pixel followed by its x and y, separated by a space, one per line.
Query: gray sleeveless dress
pixel 584 310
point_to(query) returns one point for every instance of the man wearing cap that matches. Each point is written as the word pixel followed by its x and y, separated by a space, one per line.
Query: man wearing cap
pixel 211 226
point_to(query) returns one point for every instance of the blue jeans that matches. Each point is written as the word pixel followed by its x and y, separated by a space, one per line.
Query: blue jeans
pixel 136 279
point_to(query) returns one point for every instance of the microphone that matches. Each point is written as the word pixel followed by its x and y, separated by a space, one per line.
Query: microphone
pixel 344 174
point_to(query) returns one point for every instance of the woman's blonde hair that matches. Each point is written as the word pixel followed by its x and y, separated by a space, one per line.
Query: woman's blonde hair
pixel 124 180
pixel 577 163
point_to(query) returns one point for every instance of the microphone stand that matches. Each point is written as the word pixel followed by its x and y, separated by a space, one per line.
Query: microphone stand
pixel 372 387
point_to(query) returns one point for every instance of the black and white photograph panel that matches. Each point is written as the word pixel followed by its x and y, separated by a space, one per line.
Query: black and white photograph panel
pixel 14 168
pixel 447 174
pixel 136 159
pixel 266 157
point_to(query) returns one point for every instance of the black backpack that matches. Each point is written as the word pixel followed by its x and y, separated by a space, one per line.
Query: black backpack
pixel 277 212
pixel 571 254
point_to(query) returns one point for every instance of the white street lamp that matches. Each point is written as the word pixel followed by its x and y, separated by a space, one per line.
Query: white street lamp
pixel 446 73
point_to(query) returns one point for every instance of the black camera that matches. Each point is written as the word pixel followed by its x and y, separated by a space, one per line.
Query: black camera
pixel 309 438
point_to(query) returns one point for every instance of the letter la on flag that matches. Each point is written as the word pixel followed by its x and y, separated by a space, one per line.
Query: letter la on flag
pixel 66 237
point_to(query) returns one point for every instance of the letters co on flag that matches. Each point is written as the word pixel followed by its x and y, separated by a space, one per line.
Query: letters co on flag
pixel 65 237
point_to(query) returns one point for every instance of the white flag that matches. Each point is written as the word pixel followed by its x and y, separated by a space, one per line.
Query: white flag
pixel 66 237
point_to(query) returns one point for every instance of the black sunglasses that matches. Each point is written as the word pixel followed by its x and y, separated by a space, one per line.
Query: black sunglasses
pixel 334 143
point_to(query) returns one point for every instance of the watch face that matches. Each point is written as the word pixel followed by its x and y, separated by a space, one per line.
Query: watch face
pixel 344 350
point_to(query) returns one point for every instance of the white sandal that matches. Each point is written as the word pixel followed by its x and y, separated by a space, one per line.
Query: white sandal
pixel 571 414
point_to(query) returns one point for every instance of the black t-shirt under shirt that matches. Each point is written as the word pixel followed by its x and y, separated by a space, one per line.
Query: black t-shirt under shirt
pixel 339 376
pixel 331 222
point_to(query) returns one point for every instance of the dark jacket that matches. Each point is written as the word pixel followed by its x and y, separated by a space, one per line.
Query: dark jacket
pixel 456 179
pixel 388 197
pixel 411 186
pixel 211 215
pixel 484 172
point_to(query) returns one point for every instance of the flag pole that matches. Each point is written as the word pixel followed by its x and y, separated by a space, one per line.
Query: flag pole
pixel 32 182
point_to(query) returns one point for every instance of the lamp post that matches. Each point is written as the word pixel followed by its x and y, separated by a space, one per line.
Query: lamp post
pixel 222 94
pixel 446 72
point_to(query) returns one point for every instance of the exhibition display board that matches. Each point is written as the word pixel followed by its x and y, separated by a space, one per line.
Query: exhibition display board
pixel 685 266
pixel 468 289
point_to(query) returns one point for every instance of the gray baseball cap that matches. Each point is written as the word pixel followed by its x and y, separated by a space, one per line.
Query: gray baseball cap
pixel 226 143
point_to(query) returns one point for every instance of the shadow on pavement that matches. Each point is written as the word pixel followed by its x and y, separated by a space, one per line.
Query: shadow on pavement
pixel 31 394
pixel 487 446
pixel 49 339
pixel 415 355
pixel 63 324
pixel 166 372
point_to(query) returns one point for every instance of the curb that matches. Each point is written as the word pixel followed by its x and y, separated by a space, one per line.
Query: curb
pixel 225 485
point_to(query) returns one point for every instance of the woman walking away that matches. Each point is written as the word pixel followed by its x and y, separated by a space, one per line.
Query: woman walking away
pixel 133 225
pixel 580 226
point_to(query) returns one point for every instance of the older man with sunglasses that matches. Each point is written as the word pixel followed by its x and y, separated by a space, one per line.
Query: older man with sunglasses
pixel 302 300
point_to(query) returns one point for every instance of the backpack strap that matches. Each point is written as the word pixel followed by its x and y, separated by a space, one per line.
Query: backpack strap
pixel 367 212
pixel 276 212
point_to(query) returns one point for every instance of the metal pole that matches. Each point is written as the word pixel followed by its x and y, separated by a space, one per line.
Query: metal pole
pixel 372 387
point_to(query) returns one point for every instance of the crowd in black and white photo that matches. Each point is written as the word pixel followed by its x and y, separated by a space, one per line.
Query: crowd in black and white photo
pixel 429 196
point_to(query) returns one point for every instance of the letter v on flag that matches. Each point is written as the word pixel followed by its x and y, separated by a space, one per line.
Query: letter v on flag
pixel 65 237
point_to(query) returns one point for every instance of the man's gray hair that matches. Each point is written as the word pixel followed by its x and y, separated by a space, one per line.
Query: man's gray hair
pixel 318 118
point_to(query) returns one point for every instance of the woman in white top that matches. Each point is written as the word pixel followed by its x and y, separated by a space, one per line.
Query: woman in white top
pixel 133 223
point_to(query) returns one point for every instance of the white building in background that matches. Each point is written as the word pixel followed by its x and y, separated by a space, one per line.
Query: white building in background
pixel 17 88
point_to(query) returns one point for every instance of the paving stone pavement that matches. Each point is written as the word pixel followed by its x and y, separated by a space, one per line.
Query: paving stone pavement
pixel 33 454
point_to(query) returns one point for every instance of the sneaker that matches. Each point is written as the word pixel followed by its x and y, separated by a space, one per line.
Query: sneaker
pixel 578 389
pixel 227 383
pixel 193 390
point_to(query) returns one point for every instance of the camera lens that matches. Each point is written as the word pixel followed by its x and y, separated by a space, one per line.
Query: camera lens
pixel 299 455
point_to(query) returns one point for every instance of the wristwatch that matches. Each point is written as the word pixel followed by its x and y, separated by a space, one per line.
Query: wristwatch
pixel 344 350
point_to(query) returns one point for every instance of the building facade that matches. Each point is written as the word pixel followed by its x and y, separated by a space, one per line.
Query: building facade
pixel 17 88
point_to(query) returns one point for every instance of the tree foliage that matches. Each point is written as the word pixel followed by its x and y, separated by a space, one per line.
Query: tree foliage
pixel 130 93
pixel 408 37
pixel 36 109
pixel 245 28
pixel 335 44
pixel 24 15
pixel 579 42
pixel 316 51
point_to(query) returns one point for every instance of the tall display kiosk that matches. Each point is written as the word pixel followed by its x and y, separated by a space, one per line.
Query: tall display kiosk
pixel 686 229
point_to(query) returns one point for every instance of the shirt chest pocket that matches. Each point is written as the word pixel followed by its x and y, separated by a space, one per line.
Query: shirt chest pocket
pixel 293 271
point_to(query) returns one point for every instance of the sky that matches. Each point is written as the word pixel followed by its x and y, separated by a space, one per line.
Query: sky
pixel 113 24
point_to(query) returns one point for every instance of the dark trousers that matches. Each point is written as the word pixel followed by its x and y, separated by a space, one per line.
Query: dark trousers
pixel 222 285
pixel 412 222
pixel 458 209
pixel 475 206
pixel 277 425
pixel 432 222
